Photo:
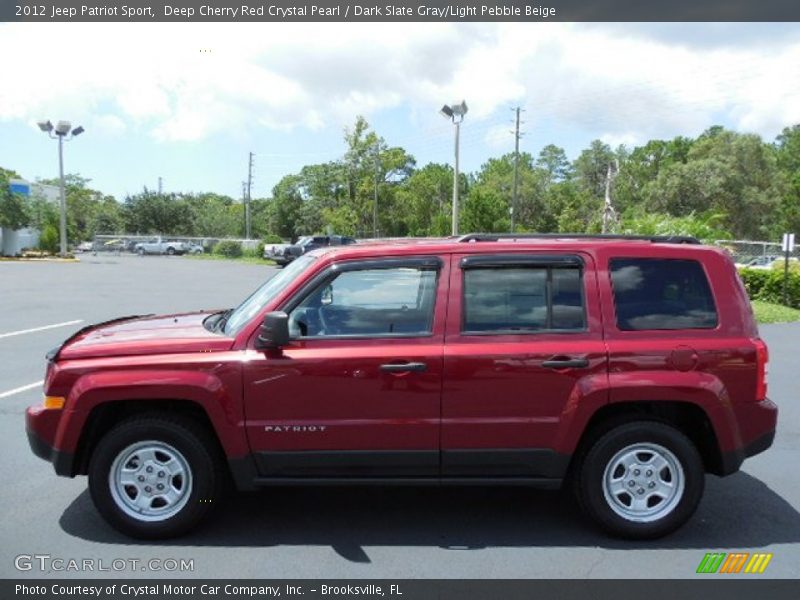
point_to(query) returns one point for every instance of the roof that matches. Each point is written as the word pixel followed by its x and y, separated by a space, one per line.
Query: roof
pixel 494 242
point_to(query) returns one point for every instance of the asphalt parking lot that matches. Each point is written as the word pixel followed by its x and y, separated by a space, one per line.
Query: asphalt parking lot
pixel 355 532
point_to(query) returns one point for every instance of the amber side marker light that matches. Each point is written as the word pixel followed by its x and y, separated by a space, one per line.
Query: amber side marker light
pixel 54 401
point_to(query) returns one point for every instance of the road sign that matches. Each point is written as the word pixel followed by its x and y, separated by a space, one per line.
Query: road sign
pixel 788 242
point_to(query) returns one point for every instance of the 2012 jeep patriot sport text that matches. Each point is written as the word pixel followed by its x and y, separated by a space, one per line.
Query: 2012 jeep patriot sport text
pixel 626 367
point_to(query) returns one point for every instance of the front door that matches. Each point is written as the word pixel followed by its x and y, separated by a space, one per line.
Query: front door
pixel 524 356
pixel 357 391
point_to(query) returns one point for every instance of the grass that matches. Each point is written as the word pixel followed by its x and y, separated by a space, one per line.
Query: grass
pixel 766 312
pixel 252 260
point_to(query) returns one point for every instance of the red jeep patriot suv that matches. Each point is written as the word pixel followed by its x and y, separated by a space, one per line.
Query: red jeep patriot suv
pixel 626 366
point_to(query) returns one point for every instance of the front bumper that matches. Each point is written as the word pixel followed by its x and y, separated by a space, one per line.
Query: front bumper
pixel 41 425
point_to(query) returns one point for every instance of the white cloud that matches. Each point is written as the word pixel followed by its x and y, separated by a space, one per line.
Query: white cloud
pixel 622 84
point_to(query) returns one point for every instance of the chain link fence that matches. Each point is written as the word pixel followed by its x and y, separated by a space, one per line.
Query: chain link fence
pixel 750 253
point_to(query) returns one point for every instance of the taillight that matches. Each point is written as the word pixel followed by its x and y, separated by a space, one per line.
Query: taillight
pixel 762 369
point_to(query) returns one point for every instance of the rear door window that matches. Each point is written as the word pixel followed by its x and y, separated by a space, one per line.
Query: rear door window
pixel 519 298
pixel 655 293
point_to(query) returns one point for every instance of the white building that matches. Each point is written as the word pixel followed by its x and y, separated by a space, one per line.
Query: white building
pixel 12 242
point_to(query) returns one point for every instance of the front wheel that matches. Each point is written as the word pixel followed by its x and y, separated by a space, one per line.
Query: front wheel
pixel 155 477
pixel 171 251
pixel 640 480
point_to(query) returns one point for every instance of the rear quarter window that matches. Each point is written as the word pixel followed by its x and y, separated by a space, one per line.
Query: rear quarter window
pixel 655 293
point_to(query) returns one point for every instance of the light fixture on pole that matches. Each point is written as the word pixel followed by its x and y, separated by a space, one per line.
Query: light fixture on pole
pixel 62 133
pixel 455 113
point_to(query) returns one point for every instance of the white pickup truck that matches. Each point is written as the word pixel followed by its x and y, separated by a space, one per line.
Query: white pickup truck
pixel 157 245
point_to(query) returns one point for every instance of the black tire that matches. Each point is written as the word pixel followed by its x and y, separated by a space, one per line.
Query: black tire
pixel 588 480
pixel 171 251
pixel 140 251
pixel 196 446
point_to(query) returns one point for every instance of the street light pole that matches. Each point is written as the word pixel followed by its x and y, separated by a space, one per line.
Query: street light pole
pixel 455 181
pixel 63 216
pixel 456 114
pixel 63 134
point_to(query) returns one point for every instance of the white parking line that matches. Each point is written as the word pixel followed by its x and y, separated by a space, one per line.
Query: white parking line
pixel 35 329
pixel 18 390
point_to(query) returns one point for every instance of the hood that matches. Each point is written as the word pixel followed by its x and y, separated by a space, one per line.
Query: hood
pixel 166 334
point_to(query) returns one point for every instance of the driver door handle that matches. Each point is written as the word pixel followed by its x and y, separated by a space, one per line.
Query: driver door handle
pixel 404 367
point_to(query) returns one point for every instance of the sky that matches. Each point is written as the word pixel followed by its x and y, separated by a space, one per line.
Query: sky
pixel 187 101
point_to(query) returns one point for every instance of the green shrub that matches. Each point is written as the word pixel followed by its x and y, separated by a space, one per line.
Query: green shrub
pixel 256 252
pixel 273 239
pixel 49 239
pixel 767 285
pixel 794 265
pixel 228 249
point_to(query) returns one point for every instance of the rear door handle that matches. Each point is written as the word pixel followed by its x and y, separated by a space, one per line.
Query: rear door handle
pixel 566 363
pixel 404 367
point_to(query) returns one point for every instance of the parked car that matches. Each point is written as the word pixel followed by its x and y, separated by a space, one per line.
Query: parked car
pixel 157 245
pixel 283 256
pixel 193 248
pixel 85 247
pixel 626 368
pixel 759 262
pixel 275 251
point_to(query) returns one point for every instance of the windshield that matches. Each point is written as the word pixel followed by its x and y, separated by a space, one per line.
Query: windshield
pixel 248 309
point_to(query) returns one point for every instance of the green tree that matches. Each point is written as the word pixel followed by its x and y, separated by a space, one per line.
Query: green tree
pixel 591 167
pixel 14 209
pixel 787 148
pixel 727 173
pixel 485 210
pixel 553 161
pixel 89 211
pixel 425 201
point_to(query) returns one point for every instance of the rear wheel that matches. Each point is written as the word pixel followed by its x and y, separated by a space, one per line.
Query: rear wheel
pixel 171 251
pixel 640 480
pixel 140 251
pixel 155 477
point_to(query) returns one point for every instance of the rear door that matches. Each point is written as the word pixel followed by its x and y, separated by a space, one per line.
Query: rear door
pixel 524 357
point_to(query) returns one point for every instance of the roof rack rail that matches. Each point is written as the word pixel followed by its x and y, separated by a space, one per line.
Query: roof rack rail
pixel 660 239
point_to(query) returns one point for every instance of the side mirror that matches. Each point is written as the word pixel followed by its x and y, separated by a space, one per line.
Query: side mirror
pixel 274 332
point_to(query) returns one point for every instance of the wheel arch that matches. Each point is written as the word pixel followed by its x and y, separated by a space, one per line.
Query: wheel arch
pixel 689 418
pixel 104 416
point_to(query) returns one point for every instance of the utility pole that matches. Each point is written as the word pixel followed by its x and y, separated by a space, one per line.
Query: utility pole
pixel 609 214
pixel 247 198
pixel 517 135
pixel 375 202
pixel 160 186
pixel 244 204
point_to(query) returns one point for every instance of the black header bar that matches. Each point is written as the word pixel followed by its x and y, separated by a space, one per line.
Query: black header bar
pixel 149 11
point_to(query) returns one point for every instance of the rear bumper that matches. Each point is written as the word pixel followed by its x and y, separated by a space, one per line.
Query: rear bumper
pixel 764 416
pixel 41 425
